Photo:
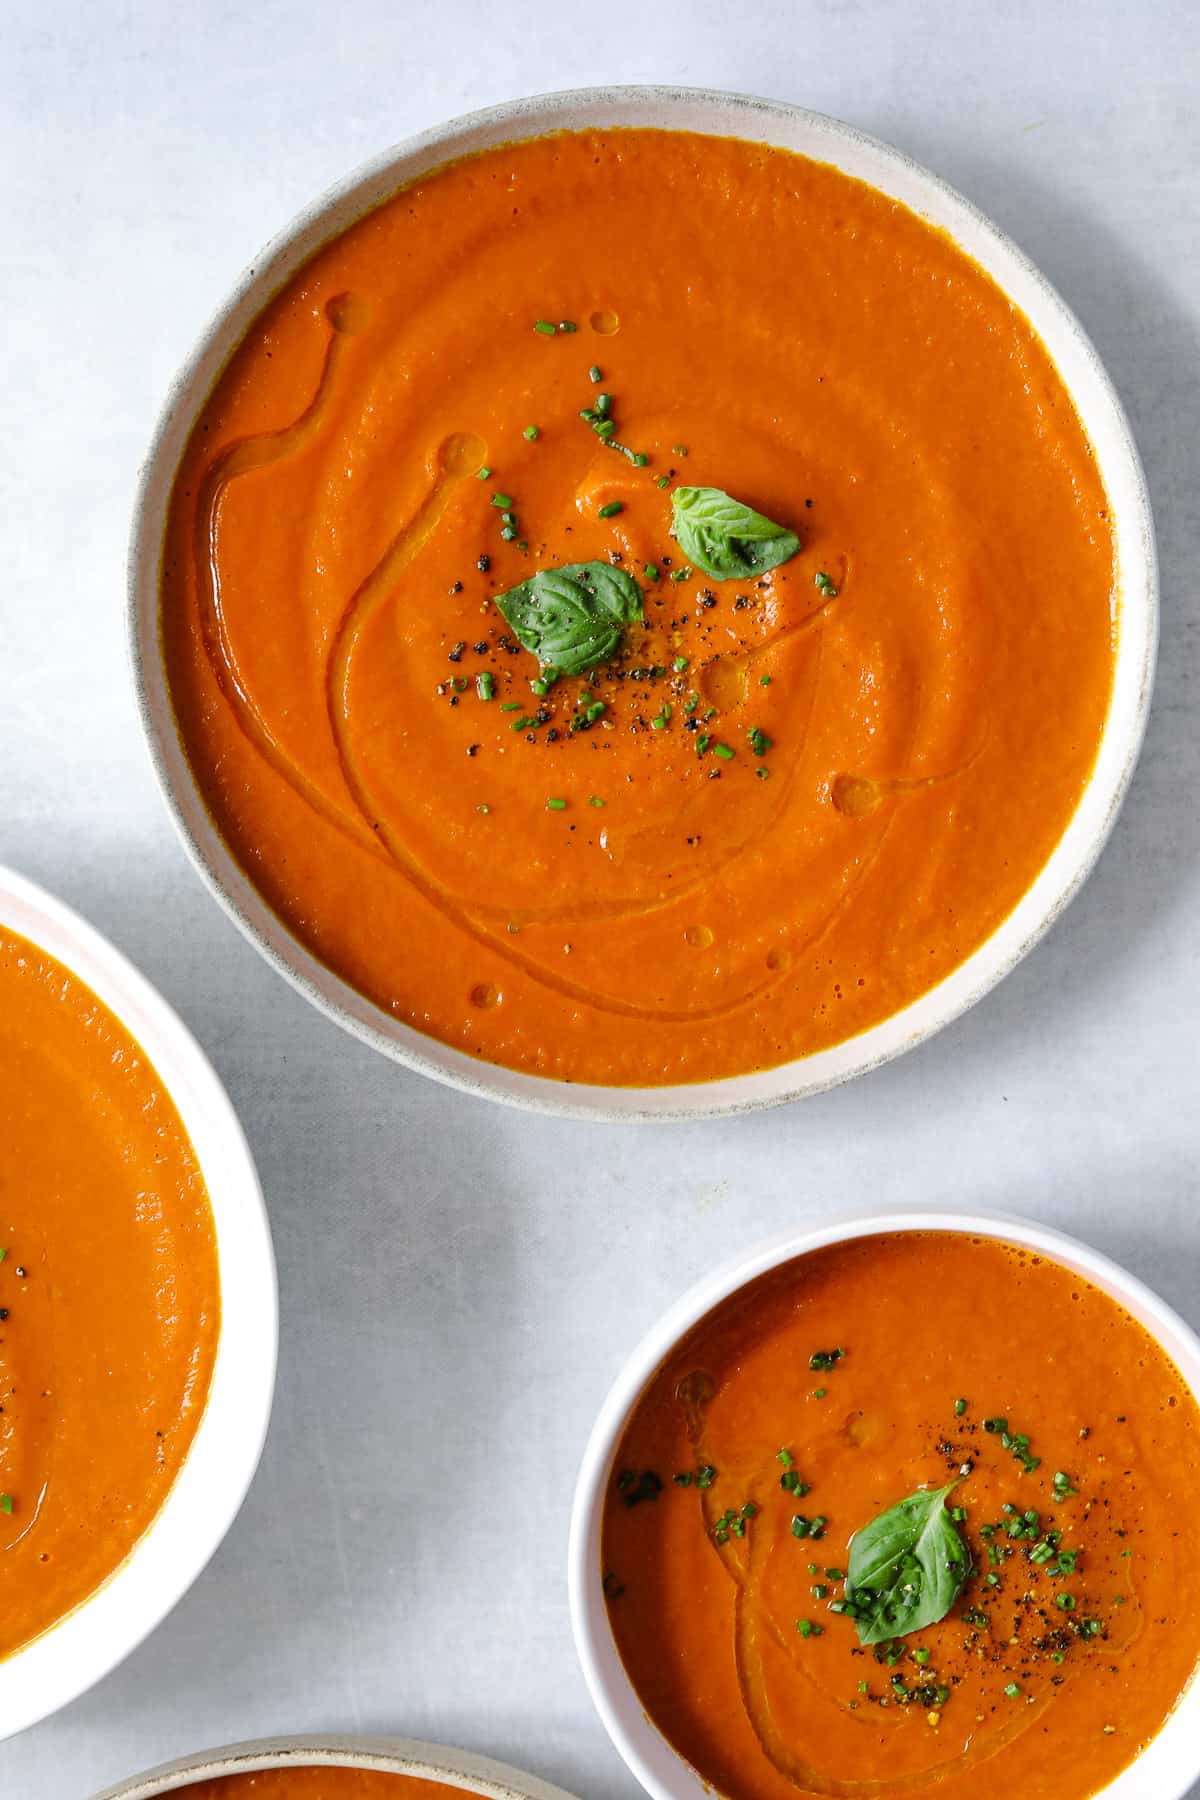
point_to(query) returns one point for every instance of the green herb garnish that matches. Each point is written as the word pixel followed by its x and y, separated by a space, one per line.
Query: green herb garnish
pixel 907 1568
pixel 574 617
pixel 726 538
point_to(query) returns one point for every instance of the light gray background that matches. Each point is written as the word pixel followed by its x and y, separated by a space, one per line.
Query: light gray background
pixel 459 1283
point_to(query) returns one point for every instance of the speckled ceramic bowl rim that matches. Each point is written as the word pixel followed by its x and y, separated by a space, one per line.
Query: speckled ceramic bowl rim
pixel 1168 1766
pixel 391 1756
pixel 859 154
pixel 208 1491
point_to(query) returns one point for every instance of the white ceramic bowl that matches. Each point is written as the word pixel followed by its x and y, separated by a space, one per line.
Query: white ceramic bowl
pixel 827 140
pixel 393 1756
pixel 1169 1765
pixel 212 1483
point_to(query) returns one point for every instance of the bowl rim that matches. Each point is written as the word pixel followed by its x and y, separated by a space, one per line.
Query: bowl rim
pixel 1169 1764
pixel 107 1625
pixel 721 113
pixel 464 1769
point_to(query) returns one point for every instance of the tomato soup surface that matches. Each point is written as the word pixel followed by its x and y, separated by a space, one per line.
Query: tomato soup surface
pixel 788 802
pixel 311 1783
pixel 109 1295
pixel 806 1408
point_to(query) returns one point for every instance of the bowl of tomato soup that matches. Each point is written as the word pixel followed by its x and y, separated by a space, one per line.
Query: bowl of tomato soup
pixel 643 603
pixel 900 1505
pixel 137 1307
pixel 335 1768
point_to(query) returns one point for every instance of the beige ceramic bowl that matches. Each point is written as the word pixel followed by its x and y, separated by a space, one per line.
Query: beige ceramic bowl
pixel 394 1756
pixel 826 140
pixel 1170 1762
pixel 208 1490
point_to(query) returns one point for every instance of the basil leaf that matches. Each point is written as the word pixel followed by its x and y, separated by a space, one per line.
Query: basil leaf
pixel 906 1568
pixel 725 538
pixel 574 617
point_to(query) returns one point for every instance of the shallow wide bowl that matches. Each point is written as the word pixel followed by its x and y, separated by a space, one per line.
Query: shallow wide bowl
pixel 1169 1765
pixel 212 1483
pixel 826 140
pixel 393 1756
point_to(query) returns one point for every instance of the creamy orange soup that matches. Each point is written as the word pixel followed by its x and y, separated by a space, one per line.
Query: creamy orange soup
pixel 109 1296
pixel 784 801
pixel 321 1784
pixel 911 1515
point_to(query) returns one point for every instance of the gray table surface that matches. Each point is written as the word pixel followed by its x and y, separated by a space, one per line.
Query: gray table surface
pixel 459 1283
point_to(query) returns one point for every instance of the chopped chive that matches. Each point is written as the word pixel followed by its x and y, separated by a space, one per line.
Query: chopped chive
pixel 726 753
pixel 702 744
pixel 764 681
pixel 554 804
pixel 508 533
pixel 6 1503
pixel 483 474
pixel 544 326
pixel 960 1407
pixel 818 1393
pixel 639 459
pixel 605 428
pixel 595 709
pixel 1013 1691
pixel 808 1629
pixel 603 404
pixel 567 325
pixel 504 501
pixel 532 433
pixel 651 571
pixel 1065 1602
pixel 595 800
pixel 594 373
pixel 680 574
pixel 511 706
pixel 822 581
pixel 763 773
pixel 681 663
pixel 662 481
pixel 611 510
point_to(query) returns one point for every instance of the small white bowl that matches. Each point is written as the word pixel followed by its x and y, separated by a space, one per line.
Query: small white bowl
pixel 392 1756
pixel 826 140
pixel 1168 1766
pixel 209 1489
